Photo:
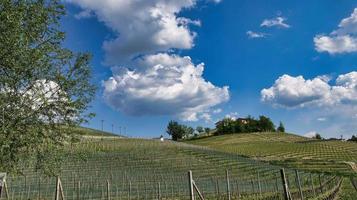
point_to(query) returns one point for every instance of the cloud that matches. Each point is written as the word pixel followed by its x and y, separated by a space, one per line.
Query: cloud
pixel 342 40
pixel 252 34
pixel 278 22
pixel 310 134
pixel 232 115
pixel 142 27
pixel 84 14
pixel 291 92
pixel 163 85
pixel 321 119
pixel 148 77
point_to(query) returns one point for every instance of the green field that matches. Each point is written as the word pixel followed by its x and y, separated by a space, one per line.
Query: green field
pixel 289 150
pixel 146 169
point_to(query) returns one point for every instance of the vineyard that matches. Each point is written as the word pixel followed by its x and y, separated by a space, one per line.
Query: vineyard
pixel 150 169
pixel 291 151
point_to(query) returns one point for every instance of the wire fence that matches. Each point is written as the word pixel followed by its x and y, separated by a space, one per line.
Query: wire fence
pixel 134 169
pixel 300 185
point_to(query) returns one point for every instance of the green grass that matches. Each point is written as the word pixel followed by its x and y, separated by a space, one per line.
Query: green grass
pixel 135 168
pixel 288 150
pixel 84 131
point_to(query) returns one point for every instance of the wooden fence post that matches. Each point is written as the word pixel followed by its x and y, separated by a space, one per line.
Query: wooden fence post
pixel 108 190
pixel 285 185
pixel 158 191
pixel 228 186
pixel 299 184
pixel 192 197
pixel 79 190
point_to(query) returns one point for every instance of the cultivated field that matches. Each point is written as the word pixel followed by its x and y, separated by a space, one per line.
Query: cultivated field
pixel 149 169
pixel 289 150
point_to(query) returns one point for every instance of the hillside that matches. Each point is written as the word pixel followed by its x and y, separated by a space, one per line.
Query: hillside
pixel 289 150
pixel 144 169
pixel 84 131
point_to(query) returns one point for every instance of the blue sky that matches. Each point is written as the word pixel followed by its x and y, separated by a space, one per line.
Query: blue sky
pixel 147 56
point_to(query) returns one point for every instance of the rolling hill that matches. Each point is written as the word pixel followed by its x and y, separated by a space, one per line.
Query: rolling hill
pixel 150 169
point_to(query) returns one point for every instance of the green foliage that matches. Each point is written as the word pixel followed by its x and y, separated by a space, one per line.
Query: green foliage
pixel 353 138
pixel 281 128
pixel 200 129
pixel 179 131
pixel 207 130
pixel 43 86
pixel 244 125
pixel 175 130
pixel 318 136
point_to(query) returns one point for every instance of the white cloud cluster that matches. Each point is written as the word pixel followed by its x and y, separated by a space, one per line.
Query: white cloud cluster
pixel 289 91
pixel 148 78
pixel 278 22
pixel 310 134
pixel 173 86
pixel 141 27
pixel 342 40
pixel 252 34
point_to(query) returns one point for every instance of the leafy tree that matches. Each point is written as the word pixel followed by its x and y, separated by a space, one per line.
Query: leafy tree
pixel 265 124
pixel 353 138
pixel 200 129
pixel 225 126
pixel 175 130
pixel 318 136
pixel 188 131
pixel 207 130
pixel 43 86
pixel 281 128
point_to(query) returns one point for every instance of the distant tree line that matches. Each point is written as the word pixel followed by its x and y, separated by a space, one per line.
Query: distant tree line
pixel 225 126
pixel 353 138
pixel 180 131
pixel 247 125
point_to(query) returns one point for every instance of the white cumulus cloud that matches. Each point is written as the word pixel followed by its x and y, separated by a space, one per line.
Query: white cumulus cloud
pixel 289 91
pixel 173 85
pixel 148 77
pixel 342 40
pixel 141 27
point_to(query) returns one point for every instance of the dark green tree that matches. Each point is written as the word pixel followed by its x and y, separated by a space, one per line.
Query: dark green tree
pixel 200 129
pixel 353 138
pixel 188 131
pixel 43 86
pixel 175 130
pixel 318 136
pixel 265 124
pixel 207 130
pixel 281 128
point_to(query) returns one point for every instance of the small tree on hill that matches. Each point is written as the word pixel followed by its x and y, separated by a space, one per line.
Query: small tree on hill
pixel 199 129
pixel 281 128
pixel 265 124
pixel 175 130
pixel 353 138
pixel 318 136
pixel 207 130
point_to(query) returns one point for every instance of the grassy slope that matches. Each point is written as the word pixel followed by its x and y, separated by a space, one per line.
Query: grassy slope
pixel 91 132
pixel 140 164
pixel 292 151
pixel 288 150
